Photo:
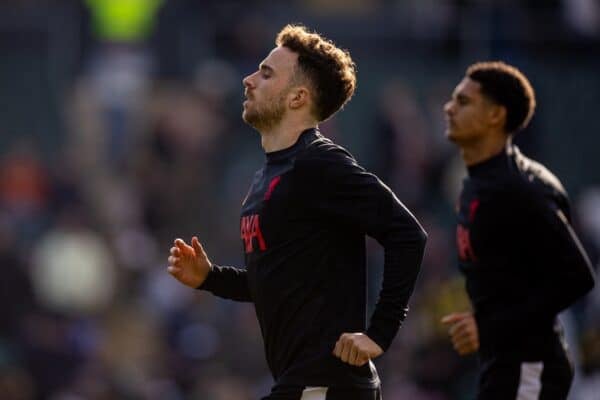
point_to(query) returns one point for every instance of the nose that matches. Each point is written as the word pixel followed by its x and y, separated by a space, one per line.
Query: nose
pixel 448 109
pixel 247 81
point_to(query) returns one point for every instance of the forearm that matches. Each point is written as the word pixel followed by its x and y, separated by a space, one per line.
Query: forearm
pixel 401 268
pixel 228 283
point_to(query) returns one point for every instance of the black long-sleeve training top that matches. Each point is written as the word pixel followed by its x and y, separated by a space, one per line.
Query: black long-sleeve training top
pixel 303 227
pixel 522 260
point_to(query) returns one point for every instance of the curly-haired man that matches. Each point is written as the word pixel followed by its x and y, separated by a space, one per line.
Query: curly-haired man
pixel 303 227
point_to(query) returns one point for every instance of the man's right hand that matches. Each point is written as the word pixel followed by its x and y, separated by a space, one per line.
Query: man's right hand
pixel 463 332
pixel 189 264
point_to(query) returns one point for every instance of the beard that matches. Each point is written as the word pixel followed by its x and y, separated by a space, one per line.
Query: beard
pixel 265 116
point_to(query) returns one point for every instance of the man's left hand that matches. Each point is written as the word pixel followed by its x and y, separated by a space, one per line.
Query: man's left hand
pixel 356 349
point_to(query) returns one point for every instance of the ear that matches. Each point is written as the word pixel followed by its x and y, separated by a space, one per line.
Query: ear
pixel 299 96
pixel 497 115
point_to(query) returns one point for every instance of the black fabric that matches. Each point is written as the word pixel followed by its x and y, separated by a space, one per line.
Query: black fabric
pixel 333 393
pixel 557 376
pixel 500 376
pixel 303 230
pixel 353 394
pixel 290 392
pixel 499 379
pixel 522 261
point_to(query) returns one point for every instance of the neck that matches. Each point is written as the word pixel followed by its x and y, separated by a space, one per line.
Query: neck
pixel 475 152
pixel 283 135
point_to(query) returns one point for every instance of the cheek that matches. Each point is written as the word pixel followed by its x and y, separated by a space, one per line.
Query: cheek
pixel 263 94
pixel 478 121
pixel 469 118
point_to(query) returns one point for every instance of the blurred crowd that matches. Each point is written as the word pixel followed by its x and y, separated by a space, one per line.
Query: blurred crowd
pixel 150 146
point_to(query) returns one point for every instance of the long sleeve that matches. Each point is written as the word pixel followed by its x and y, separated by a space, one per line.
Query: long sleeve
pixel 228 283
pixel 342 193
pixel 559 271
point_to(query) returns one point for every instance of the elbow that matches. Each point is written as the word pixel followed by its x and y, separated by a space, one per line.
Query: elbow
pixel 585 283
pixel 422 238
pixel 417 238
pixel 590 281
pixel 588 277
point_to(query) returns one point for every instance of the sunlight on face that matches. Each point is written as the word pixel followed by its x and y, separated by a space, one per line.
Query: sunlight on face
pixel 466 113
pixel 266 89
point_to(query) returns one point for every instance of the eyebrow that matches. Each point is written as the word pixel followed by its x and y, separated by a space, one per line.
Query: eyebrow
pixel 461 96
pixel 265 67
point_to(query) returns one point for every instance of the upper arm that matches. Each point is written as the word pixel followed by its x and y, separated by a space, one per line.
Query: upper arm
pixel 340 190
pixel 540 234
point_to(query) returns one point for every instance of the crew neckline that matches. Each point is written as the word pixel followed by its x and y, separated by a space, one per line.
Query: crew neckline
pixel 308 134
pixel 495 162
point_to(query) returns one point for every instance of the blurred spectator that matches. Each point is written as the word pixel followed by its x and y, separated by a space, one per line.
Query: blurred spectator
pixel 120 67
pixel 24 191
pixel 404 142
pixel 73 270
pixel 123 21
pixel 583 16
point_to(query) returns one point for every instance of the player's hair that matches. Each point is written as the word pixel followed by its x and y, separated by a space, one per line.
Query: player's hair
pixel 330 70
pixel 507 86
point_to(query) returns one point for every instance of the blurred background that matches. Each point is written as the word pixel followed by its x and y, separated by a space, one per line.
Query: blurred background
pixel 120 130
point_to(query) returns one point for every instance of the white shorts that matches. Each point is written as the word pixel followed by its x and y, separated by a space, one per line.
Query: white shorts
pixel 314 393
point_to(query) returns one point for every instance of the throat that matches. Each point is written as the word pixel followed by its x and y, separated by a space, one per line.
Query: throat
pixel 280 139
pixel 476 153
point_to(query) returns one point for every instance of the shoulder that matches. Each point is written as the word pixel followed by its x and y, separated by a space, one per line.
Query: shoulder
pixel 538 176
pixel 324 156
pixel 540 183
pixel 523 178
pixel 516 201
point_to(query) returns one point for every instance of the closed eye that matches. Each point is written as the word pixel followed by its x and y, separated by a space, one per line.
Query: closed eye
pixel 266 71
pixel 462 99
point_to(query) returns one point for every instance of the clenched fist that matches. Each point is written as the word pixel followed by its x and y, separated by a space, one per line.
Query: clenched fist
pixel 356 349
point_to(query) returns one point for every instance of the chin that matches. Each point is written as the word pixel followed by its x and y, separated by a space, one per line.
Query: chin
pixel 455 135
pixel 450 135
pixel 246 114
pixel 248 119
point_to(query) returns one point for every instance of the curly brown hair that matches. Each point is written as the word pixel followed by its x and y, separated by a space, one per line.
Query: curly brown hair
pixel 329 69
pixel 507 86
